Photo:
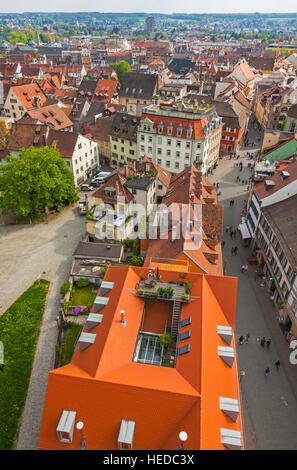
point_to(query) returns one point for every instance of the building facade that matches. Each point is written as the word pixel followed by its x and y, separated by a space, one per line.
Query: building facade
pixel 176 138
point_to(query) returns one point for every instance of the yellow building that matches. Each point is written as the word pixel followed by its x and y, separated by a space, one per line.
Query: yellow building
pixel 123 139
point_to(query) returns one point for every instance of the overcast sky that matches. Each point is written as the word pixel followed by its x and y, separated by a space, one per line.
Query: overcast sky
pixel 154 6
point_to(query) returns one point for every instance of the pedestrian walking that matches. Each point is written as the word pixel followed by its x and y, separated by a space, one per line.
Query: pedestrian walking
pixel 268 343
pixel 255 274
pixel 263 341
pixel 235 250
pixel 242 182
pixel 217 185
pixel 242 269
pixel 231 233
pixel 223 244
pixel 227 228
pixel 247 337
pixel 267 371
pixel 232 251
pixel 277 364
pixel 241 339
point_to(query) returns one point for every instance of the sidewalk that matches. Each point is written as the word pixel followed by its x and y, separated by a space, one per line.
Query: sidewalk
pixel 269 403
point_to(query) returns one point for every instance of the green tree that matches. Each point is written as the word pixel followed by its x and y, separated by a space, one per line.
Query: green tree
pixel 37 180
pixel 3 134
pixel 121 68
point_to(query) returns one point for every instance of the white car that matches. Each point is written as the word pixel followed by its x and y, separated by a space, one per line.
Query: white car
pixel 100 178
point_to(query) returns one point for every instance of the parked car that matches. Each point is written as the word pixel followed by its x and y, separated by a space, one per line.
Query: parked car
pixel 101 176
pixel 86 187
pixel 96 183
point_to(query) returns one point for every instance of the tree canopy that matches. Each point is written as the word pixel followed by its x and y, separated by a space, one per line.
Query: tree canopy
pixel 3 134
pixel 39 179
pixel 121 68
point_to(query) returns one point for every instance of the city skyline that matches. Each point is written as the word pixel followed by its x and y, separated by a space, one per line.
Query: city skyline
pixel 168 7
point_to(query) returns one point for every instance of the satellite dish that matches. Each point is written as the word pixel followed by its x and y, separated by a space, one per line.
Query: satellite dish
pixel 79 425
pixel 183 436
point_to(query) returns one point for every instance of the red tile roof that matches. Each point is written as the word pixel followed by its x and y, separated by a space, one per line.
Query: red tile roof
pixel 28 95
pixel 262 191
pixel 197 125
pixel 51 115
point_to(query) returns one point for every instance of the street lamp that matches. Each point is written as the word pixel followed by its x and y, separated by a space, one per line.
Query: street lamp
pixel 83 442
pixel 183 436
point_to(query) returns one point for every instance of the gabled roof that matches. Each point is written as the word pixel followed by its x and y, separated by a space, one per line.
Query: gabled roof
pixel 64 142
pixel 102 128
pixel 23 135
pixel 115 181
pixel 29 95
pixel 262 191
pixel 190 188
pixel 138 85
pixel 124 126
pixel 51 115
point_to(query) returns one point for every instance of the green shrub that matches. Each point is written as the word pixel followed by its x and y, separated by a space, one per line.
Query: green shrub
pixel 136 260
pixel 82 282
pixel 166 340
pixel 188 285
pixel 65 288
pixel 19 331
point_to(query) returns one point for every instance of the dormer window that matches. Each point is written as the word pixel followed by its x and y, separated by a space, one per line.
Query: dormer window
pixel 160 127
pixel 189 132
pixel 170 128
pixel 179 130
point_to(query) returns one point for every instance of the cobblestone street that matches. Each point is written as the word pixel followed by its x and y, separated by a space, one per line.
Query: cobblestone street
pixel 269 403
pixel 27 252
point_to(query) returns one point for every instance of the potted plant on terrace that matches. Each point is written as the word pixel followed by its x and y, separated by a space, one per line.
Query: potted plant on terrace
pixel 188 286
pixel 166 340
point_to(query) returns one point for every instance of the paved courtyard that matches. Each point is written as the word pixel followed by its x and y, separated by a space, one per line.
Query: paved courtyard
pixel 269 403
pixel 27 252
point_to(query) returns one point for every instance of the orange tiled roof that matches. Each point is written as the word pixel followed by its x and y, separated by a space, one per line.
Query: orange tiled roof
pixel 189 188
pixel 197 125
pixel 103 384
pixel 51 115
pixel 28 94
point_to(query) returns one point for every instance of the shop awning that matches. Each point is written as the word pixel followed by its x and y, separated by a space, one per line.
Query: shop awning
pixel 244 230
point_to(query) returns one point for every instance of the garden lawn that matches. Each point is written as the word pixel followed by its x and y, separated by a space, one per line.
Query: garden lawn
pixel 71 335
pixel 19 331
pixel 83 296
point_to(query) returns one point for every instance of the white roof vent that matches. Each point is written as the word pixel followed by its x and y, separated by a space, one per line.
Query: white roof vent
pixel 285 174
pixel 100 302
pixel 66 426
pixel 227 354
pixel 106 287
pixel 93 320
pixel 85 340
pixel 230 406
pixel 126 434
pixel 225 332
pixel 231 439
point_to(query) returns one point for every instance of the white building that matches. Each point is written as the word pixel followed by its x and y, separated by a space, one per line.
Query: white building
pixel 178 137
